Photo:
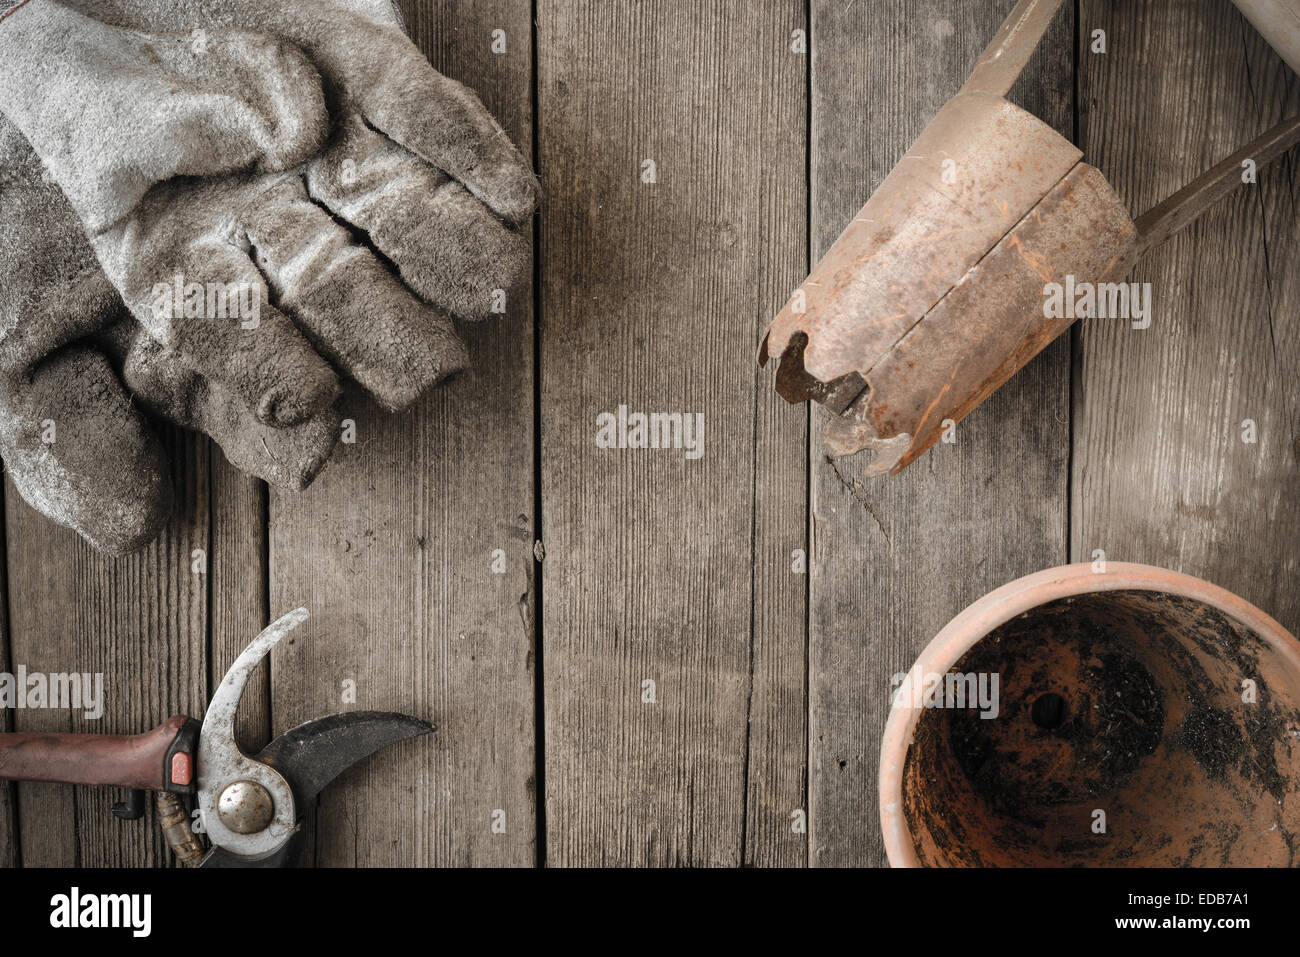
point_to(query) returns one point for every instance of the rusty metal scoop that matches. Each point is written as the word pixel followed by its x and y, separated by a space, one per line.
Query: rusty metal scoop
pixel 934 295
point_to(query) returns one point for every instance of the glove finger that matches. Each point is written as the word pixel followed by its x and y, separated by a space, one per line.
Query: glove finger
pixel 447 245
pixel 442 122
pixel 211 308
pixel 351 307
pixel 80 454
pixel 287 458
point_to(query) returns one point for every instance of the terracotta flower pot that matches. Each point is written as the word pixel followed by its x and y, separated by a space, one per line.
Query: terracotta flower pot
pixel 1135 717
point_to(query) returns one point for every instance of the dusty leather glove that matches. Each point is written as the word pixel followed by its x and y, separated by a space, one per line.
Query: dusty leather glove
pixel 114 111
pixel 71 435
pixel 409 216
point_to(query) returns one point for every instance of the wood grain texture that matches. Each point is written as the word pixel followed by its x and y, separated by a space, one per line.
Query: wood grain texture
pixel 771 687
pixel 776 746
pixel 654 296
pixel 141 623
pixel 1161 471
pixel 895 558
pixel 9 843
pixel 238 609
pixel 392 551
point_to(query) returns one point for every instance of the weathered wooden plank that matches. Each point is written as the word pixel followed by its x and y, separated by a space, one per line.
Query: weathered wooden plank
pixel 9 843
pixel 895 558
pixel 238 590
pixel 657 281
pixel 1162 472
pixel 392 550
pixel 776 795
pixel 138 621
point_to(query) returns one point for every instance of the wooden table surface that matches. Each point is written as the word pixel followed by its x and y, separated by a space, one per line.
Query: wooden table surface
pixel 669 686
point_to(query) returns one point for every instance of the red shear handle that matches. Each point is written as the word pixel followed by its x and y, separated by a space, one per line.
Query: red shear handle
pixel 137 761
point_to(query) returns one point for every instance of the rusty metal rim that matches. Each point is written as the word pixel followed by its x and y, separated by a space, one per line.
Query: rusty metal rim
pixel 1003 604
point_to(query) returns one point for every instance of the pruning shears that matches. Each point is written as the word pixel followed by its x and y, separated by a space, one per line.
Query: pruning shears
pixel 250 808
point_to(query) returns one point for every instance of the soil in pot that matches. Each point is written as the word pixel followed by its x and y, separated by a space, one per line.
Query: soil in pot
pixel 1133 728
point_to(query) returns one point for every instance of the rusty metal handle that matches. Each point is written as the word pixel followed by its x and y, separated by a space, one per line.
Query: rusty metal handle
pixel 1158 224
pixel 107 760
pixel 1005 58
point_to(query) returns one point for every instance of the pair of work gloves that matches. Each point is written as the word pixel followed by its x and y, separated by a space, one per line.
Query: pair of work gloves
pixel 220 212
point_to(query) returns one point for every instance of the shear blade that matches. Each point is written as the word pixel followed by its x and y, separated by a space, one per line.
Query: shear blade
pixel 312 755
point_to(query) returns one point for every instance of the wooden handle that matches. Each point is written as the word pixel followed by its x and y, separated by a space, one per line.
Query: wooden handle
pixel 107 760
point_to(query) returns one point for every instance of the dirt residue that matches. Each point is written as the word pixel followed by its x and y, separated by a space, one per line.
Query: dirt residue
pixel 1123 736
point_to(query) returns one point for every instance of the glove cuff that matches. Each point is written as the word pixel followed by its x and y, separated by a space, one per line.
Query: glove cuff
pixel 112 111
